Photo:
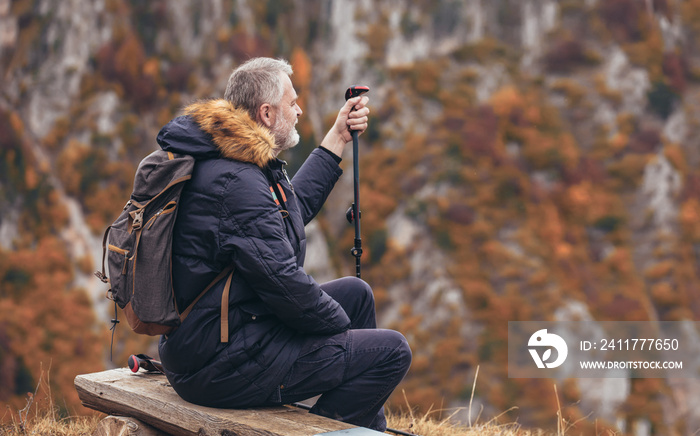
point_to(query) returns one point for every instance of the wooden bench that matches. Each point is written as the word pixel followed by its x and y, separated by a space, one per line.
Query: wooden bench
pixel 148 406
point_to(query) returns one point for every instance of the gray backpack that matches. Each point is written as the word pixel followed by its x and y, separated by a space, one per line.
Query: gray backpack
pixel 138 249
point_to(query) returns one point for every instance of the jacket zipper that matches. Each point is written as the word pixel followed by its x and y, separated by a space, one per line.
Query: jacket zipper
pixel 291 187
pixel 286 176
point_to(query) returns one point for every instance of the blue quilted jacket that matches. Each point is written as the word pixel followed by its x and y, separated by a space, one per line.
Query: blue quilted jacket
pixel 228 214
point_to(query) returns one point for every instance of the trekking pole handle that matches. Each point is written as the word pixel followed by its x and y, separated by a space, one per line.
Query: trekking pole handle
pixel 355 91
pixel 352 92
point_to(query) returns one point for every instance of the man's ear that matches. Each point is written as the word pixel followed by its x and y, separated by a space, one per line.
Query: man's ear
pixel 266 114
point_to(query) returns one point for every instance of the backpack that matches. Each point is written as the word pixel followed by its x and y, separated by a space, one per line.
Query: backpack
pixel 138 249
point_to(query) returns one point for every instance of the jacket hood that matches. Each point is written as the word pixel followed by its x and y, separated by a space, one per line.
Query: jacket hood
pixel 216 128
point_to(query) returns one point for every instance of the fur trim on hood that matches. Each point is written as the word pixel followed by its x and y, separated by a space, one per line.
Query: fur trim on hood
pixel 233 131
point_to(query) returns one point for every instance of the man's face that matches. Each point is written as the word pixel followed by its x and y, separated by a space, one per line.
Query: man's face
pixel 286 117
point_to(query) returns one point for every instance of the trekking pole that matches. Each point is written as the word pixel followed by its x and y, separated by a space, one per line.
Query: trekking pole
pixel 148 363
pixel 353 214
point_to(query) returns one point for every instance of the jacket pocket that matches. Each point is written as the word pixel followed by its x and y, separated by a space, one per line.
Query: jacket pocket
pixel 320 367
pixel 253 312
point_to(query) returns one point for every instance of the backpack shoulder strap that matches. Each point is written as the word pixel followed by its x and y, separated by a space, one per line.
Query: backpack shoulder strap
pixel 224 308
pixel 102 274
pixel 224 300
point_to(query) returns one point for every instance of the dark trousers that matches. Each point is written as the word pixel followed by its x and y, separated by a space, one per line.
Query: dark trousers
pixel 355 371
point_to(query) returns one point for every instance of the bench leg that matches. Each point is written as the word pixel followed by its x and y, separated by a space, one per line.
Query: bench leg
pixel 125 426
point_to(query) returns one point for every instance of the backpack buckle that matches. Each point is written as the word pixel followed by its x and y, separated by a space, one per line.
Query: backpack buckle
pixel 138 219
pixel 100 275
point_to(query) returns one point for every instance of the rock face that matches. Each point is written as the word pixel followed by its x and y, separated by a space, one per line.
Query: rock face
pixel 87 85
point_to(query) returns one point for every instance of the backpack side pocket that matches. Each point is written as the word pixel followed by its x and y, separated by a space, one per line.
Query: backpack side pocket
pixel 120 259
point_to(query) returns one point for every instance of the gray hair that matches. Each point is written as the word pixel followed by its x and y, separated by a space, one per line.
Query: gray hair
pixel 257 82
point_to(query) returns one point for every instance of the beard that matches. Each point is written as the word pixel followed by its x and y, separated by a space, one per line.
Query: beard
pixel 286 135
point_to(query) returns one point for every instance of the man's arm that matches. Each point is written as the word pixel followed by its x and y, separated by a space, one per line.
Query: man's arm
pixel 316 178
pixel 252 231
pixel 314 182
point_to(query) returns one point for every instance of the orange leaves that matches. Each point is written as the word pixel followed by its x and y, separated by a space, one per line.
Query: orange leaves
pixel 377 37
pixel 104 205
pixel 68 161
pixel 690 218
pixel 551 227
pixel 563 250
pixel 243 45
pixel 659 270
pixel 620 261
pixel 129 57
pixel 46 322
pixel 579 196
pixel 629 170
pixel 556 151
pixel 102 186
pixel 427 78
pixel 674 154
pixel 690 14
pixel 303 75
pixel 625 19
pixel 124 61
pixel 565 54
pixel 16 123
pixel 664 295
pixel 522 119
pixel 506 100
pixel 619 141
pixel 495 252
pixel 301 65
pixel 151 68
pixel 448 356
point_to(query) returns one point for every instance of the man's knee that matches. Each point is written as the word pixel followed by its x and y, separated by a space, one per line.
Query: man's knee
pixel 405 354
pixel 356 298
pixel 349 290
pixel 363 290
pixel 401 354
pixel 355 285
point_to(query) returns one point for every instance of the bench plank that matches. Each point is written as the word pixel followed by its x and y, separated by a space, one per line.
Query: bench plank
pixel 149 397
pixel 123 426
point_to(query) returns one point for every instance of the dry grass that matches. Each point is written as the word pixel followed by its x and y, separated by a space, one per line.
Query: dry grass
pixel 427 426
pixel 48 424
pixel 40 416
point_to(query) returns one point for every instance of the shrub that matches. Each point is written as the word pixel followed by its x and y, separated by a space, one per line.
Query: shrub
pixel 564 55
pixel 675 70
pixel 629 170
pixel 662 99
pixel 645 140
pixel 624 19
pixel 377 38
pixel 608 223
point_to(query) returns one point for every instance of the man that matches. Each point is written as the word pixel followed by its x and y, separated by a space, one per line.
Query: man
pixel 289 338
